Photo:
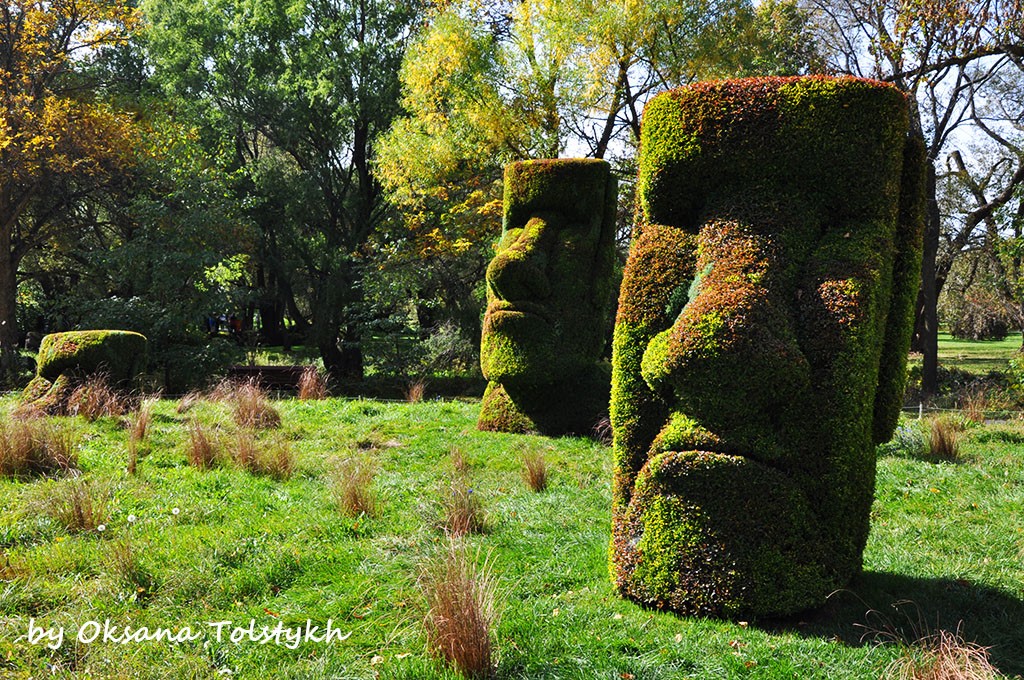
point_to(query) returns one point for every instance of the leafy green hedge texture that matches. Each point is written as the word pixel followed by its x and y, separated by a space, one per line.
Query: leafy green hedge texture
pixel 549 294
pixel 761 338
pixel 65 359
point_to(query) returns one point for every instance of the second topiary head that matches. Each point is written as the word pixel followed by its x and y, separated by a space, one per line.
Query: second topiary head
pixel 549 292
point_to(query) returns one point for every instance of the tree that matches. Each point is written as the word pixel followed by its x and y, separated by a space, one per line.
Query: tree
pixel 58 145
pixel 300 89
pixel 946 56
pixel 485 84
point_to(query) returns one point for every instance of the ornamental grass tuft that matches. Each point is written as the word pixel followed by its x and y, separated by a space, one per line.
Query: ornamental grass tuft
pixel 351 485
pixel 461 613
pixel 36 446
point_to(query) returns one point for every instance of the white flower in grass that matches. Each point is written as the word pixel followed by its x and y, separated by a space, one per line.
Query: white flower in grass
pixel 101 528
pixel 131 519
pixel 175 511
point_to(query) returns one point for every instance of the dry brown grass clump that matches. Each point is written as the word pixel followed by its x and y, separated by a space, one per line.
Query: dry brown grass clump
pixel 94 398
pixel 36 447
pixel 312 384
pixel 124 564
pixel 459 461
pixel 272 457
pixel 602 430
pixel 974 404
pixel 415 391
pixel 535 471
pixel 201 448
pixel 188 401
pixel 77 505
pixel 351 486
pixel 138 426
pixel 944 440
pixel 461 611
pixel 942 656
pixel 251 407
pixel 462 511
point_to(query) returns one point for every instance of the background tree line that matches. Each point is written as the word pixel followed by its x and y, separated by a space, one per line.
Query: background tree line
pixel 331 168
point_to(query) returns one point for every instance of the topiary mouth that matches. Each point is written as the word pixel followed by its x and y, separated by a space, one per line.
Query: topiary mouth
pixel 522 307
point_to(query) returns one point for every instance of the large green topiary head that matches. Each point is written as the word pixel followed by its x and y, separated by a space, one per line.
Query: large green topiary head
pixel 549 285
pixel 762 333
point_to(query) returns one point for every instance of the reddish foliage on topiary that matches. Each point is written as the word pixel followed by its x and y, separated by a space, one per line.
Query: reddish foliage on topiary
pixel 761 339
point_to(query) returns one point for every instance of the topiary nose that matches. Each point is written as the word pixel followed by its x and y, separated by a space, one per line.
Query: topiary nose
pixel 519 271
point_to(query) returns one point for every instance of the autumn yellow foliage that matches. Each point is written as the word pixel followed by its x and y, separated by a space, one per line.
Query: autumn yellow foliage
pixel 57 141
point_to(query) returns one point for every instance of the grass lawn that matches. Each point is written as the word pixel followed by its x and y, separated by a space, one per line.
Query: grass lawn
pixel 976 356
pixel 185 547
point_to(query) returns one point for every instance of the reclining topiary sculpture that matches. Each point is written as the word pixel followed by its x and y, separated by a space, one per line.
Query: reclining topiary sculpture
pixel 66 359
pixel 761 338
pixel 549 292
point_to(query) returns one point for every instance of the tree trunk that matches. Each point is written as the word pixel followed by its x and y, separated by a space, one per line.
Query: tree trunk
pixel 332 358
pixel 8 312
pixel 352 354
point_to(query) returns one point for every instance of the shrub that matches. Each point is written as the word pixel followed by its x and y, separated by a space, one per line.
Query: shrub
pixel 351 486
pixel 449 350
pixel 66 359
pixel 312 384
pixel 460 610
pixel 977 314
pixel 545 328
pixel 907 441
pixel 121 355
pixel 192 366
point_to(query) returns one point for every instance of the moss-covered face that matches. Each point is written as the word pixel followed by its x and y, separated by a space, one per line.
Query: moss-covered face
pixel 548 285
pixel 761 340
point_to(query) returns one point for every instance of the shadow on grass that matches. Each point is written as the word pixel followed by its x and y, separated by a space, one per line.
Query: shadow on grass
pixel 883 608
